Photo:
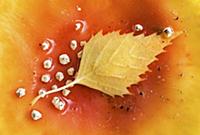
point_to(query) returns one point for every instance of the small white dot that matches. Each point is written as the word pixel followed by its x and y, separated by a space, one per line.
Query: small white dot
pixel 73 44
pixel 45 78
pixel 138 27
pixel 78 26
pixel 36 115
pixel 42 92
pixel 78 8
pixel 134 118
pixel 159 77
pixel 59 76
pixel 168 32
pixel 53 87
pixel 70 71
pixel 163 80
pixel 64 59
pixel 47 64
pixel 68 81
pixel 79 54
pixel 20 92
pixel 82 43
pixel 65 92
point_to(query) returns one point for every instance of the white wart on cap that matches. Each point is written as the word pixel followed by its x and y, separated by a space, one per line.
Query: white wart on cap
pixel 53 87
pixel 64 59
pixel 45 78
pixel 36 115
pixel 47 44
pixel 47 64
pixel 58 103
pixel 138 27
pixel 78 26
pixel 168 32
pixel 65 92
pixel 42 93
pixel 59 76
pixel 20 92
pixel 73 44
pixel 70 71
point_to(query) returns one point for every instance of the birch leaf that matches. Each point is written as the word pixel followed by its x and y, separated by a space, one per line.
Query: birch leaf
pixel 112 62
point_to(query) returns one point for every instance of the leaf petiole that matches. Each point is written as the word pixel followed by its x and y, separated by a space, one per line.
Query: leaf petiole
pixel 71 84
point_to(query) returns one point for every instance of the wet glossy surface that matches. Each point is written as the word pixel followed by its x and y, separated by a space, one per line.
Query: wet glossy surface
pixel 94 111
pixel 91 112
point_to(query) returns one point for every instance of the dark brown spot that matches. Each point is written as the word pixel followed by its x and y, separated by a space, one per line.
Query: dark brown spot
pixel 128 109
pixel 159 68
pixel 121 107
pixel 180 75
pixel 176 18
pixel 141 93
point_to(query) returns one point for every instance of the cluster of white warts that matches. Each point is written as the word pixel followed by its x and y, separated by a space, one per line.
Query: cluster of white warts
pixel 64 59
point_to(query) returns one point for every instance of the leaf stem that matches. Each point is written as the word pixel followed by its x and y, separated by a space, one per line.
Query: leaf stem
pixel 71 84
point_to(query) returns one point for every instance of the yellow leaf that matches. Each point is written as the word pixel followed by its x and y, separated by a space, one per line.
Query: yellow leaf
pixel 112 62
